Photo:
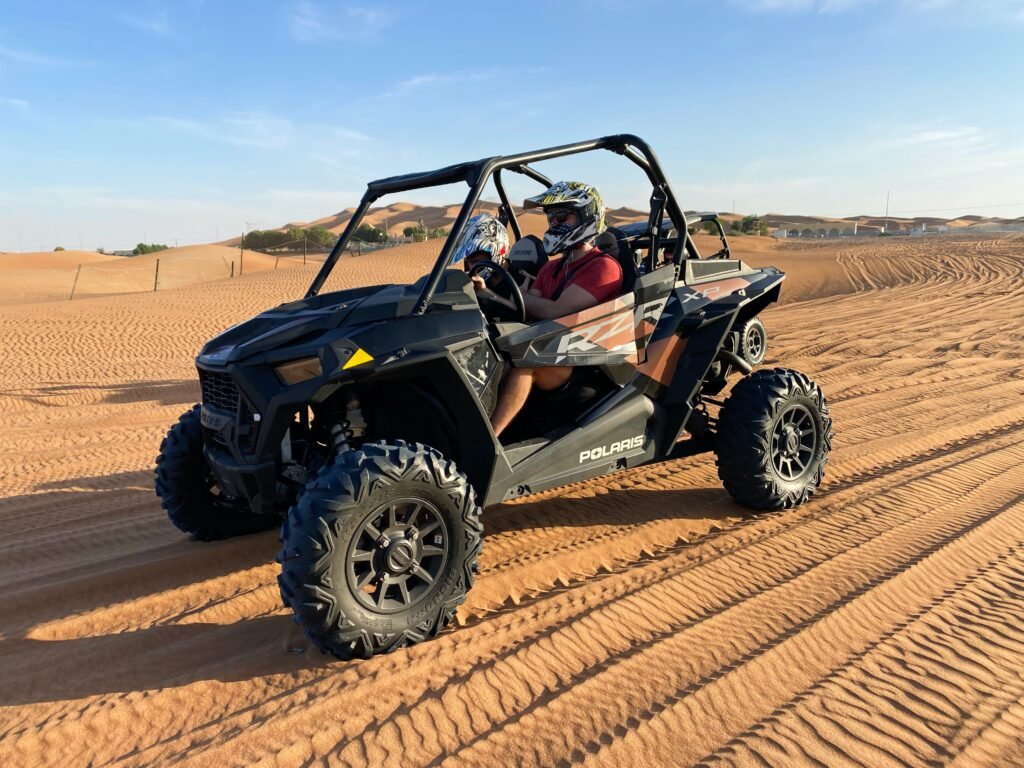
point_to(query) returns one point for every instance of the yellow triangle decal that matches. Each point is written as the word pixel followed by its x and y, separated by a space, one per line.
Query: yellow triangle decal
pixel 358 358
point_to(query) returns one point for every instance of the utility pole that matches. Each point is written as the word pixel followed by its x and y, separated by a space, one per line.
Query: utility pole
pixel 885 227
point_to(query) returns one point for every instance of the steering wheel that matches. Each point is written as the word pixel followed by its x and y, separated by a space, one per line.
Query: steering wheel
pixel 507 279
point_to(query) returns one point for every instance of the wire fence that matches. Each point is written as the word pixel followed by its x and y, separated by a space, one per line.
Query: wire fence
pixel 163 270
pixel 153 272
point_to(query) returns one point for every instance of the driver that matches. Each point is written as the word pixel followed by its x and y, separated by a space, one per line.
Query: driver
pixel 485 239
pixel 583 277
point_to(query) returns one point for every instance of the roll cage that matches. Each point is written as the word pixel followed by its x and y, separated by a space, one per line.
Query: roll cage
pixel 476 174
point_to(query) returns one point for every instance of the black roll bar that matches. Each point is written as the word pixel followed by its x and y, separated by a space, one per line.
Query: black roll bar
pixel 476 174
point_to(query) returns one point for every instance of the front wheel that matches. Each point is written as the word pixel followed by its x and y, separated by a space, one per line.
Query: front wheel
pixel 380 549
pixel 773 440
pixel 188 489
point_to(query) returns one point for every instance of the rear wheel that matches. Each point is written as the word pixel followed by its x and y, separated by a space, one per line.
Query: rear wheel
pixel 773 439
pixel 380 549
pixel 753 341
pixel 189 493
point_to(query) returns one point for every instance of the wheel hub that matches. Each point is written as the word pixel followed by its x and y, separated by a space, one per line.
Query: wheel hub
pixel 794 442
pixel 397 555
pixel 754 345
pixel 400 556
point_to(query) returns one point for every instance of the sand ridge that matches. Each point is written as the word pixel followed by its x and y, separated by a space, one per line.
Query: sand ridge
pixel 31 278
pixel 638 619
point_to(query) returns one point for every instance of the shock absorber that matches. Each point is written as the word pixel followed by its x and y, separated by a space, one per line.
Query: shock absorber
pixel 350 429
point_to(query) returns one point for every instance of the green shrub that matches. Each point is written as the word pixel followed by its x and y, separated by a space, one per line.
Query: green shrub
pixel 367 233
pixel 142 248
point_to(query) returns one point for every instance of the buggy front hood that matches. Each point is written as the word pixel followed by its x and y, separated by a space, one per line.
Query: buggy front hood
pixel 291 324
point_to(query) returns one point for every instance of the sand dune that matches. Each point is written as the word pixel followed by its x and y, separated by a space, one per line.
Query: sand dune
pixel 639 619
pixel 10 262
pixel 54 276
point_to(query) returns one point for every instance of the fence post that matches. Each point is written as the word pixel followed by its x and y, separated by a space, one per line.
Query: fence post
pixel 156 274
pixel 241 255
pixel 276 260
pixel 303 250
pixel 232 267
pixel 74 284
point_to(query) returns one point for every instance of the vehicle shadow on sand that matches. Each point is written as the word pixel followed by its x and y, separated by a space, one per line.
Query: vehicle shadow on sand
pixel 90 542
pixel 163 392
pixel 611 507
pixel 178 654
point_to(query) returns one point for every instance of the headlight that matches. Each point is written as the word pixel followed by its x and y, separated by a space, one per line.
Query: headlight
pixel 298 371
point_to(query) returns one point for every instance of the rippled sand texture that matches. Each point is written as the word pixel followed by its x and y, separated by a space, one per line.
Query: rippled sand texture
pixel 639 619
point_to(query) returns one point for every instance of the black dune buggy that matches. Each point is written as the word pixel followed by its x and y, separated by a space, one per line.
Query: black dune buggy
pixel 361 416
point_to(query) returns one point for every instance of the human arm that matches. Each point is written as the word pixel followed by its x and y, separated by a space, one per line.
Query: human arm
pixel 573 299
pixel 596 282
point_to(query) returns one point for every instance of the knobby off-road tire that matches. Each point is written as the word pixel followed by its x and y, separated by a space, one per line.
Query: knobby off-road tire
pixel 753 341
pixel 188 489
pixel 773 440
pixel 380 549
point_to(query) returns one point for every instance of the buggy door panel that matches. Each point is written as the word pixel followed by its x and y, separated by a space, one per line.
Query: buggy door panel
pixel 611 333
pixel 599 335
pixel 652 294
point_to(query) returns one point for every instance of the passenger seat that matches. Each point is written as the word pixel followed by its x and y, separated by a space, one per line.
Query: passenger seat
pixel 613 242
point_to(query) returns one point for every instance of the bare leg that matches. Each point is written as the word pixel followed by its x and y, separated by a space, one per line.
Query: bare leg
pixel 516 389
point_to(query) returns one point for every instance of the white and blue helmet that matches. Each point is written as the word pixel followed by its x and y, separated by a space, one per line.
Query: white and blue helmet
pixel 483 233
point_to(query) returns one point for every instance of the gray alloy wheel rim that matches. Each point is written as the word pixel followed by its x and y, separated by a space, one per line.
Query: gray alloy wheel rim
pixel 794 442
pixel 397 555
pixel 755 343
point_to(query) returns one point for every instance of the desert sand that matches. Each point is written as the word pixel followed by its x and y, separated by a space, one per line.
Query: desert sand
pixel 27 278
pixel 639 619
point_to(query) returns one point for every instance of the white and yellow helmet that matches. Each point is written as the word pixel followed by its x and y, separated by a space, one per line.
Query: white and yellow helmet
pixel 584 200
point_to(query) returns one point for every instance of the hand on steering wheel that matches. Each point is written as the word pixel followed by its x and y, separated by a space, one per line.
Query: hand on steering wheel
pixel 507 279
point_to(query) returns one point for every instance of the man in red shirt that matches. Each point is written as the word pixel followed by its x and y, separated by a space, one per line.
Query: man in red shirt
pixel 583 277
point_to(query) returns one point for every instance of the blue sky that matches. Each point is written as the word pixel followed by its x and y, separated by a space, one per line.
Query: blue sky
pixel 161 121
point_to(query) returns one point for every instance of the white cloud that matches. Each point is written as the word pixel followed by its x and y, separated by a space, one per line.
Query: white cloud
pixel 264 131
pixel 939 137
pixel 999 10
pixel 18 105
pixel 310 22
pixel 249 130
pixel 29 57
pixel 309 199
pixel 442 78
pixel 155 23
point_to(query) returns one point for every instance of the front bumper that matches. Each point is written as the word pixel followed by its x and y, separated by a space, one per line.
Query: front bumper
pixel 255 482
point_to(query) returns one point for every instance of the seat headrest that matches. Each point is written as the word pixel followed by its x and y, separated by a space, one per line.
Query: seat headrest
pixel 626 257
pixel 528 254
pixel 608 243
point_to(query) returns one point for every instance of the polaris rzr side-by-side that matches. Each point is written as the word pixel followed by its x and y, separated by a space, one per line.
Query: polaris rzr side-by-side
pixel 361 417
